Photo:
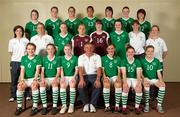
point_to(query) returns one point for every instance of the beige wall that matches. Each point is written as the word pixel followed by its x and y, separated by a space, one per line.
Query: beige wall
pixel 165 13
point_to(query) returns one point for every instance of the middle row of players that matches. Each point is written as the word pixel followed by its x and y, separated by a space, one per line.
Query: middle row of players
pixel 99 38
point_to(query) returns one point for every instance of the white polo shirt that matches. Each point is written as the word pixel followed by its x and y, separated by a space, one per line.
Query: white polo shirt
pixel 137 41
pixel 90 64
pixel 41 42
pixel 159 47
pixel 18 48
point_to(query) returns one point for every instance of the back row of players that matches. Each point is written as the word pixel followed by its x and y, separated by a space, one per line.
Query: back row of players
pixel 101 41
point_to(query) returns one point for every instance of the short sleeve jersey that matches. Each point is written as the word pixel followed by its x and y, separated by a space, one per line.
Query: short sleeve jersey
pixel 50 66
pixel 69 65
pixel 150 68
pixel 111 65
pixel 131 67
pixel 29 65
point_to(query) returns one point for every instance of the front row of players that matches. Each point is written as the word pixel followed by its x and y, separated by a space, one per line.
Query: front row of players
pixel 134 73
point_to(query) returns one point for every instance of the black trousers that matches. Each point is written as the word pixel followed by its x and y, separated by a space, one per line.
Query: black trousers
pixel 15 72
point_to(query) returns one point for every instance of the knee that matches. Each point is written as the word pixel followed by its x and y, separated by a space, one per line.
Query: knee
pixel 21 86
pixel 138 89
pixel 34 85
pixel 125 89
pixel 63 84
pixel 146 84
pixel 72 84
pixel 106 84
pixel 117 84
pixel 54 84
pixel 162 84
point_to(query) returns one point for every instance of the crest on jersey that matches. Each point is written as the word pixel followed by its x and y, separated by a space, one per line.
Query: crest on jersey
pixel 71 61
pixel 110 64
pixel 154 63
pixel 34 60
pixel 54 62
pixel 57 23
pixel 86 40
pixel 115 61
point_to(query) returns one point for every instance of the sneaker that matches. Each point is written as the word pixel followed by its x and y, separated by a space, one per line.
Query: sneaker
pixel 146 108
pixel 63 109
pixel 160 109
pixel 92 109
pixel 28 98
pixel 33 111
pixel 11 99
pixel 116 109
pixel 86 108
pixel 18 111
pixel 124 111
pixel 107 109
pixel 44 111
pixel 71 109
pixel 54 111
pixel 137 111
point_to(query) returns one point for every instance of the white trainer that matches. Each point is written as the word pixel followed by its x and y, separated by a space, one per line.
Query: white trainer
pixel 86 108
pixel 63 109
pixel 71 109
pixel 92 109
pixel 11 99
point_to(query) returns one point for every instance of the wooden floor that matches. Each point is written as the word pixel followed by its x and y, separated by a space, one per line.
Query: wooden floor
pixel 171 105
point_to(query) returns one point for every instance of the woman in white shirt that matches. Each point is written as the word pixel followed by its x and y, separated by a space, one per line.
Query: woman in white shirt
pixel 16 48
pixel 159 44
pixel 137 40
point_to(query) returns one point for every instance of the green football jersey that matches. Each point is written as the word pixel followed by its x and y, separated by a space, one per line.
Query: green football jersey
pixel 30 29
pixel 127 24
pixel 29 65
pixel 50 66
pixel 73 26
pixel 89 24
pixel 61 41
pixel 108 25
pixel 150 68
pixel 52 27
pixel 120 41
pixel 69 65
pixel 110 65
pixel 145 27
pixel 131 67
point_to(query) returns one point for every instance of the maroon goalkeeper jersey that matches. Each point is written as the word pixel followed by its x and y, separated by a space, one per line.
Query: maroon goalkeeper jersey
pixel 78 43
pixel 100 42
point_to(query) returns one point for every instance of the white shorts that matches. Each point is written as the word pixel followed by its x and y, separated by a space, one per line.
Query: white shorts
pixel 152 81
pixel 68 79
pixel 28 82
pixel 132 82
pixel 49 81
pixel 112 79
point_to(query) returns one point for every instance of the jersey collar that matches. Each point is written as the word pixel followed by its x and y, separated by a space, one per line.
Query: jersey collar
pixel 130 62
pixel 119 32
pixel 54 20
pixel 149 60
pixel 50 59
pixel 68 58
pixel 63 35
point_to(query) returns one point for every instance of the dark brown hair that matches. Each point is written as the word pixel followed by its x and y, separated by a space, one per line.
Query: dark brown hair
pixel 35 11
pixel 31 44
pixel 141 11
pixel 18 27
pixel 54 7
pixel 109 8
pixel 90 7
